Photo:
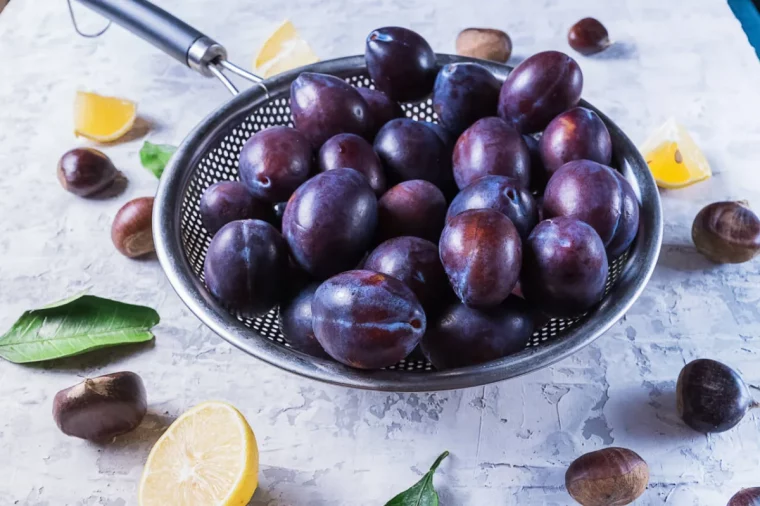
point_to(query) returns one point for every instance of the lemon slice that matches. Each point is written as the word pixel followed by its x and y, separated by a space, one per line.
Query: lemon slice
pixel 283 50
pixel 207 457
pixel 102 118
pixel 674 158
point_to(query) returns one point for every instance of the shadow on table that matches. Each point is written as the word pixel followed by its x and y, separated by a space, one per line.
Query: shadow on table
pixel 652 417
pixel 683 257
pixel 145 435
pixel 619 50
pixel 263 497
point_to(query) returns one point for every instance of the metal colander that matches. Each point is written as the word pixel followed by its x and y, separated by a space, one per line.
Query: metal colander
pixel 210 154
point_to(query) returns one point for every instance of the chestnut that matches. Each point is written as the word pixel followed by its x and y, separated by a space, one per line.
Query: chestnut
pixel 611 476
pixel 99 409
pixel 484 43
pixel 588 36
pixel 132 232
pixel 86 171
pixel 727 232
pixel 711 396
pixel 746 497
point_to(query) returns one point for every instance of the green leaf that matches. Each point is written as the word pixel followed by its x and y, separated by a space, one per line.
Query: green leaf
pixel 421 493
pixel 154 157
pixel 73 326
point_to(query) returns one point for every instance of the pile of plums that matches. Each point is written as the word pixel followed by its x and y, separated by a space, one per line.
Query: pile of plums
pixel 458 237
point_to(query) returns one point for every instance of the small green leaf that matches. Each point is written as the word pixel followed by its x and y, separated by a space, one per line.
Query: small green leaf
pixel 154 157
pixel 73 326
pixel 421 493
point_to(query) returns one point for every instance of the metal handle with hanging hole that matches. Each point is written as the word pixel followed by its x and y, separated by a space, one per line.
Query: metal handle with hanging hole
pixel 173 36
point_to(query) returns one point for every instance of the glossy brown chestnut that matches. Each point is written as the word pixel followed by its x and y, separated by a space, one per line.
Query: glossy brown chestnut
pixel 484 43
pixel 711 396
pixel 588 36
pixel 727 232
pixel 131 231
pixel 99 409
pixel 86 171
pixel 608 477
pixel 746 497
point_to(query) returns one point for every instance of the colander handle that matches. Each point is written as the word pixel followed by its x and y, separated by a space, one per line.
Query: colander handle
pixel 168 33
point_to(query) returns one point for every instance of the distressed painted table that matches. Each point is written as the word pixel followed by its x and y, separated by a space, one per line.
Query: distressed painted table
pixel 323 445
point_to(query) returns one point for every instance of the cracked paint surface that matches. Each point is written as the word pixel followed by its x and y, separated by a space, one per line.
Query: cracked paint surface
pixel 328 446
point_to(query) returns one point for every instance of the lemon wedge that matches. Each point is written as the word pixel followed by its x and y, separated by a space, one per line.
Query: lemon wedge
pixel 674 158
pixel 283 50
pixel 207 457
pixel 102 119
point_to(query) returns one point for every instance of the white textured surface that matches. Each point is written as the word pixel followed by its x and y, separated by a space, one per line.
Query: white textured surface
pixel 322 445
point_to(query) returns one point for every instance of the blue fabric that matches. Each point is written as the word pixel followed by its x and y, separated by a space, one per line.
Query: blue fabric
pixel 747 13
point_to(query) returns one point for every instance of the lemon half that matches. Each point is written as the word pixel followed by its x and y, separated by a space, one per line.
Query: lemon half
pixel 207 457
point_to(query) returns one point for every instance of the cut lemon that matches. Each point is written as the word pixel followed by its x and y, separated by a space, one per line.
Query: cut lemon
pixel 102 118
pixel 674 158
pixel 283 50
pixel 207 457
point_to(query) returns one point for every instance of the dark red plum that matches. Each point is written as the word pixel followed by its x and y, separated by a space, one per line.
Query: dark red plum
pixel 401 63
pixel 481 253
pixel 296 322
pixel 274 162
pixel 448 138
pixel 367 320
pixel 564 267
pixel 538 175
pixel 491 147
pixel 353 152
pixel 629 220
pixel 577 134
pixel 324 106
pixel 591 192
pixel 461 336
pixel 381 108
pixel 330 221
pixel 447 184
pixel 463 94
pixel 501 194
pixel 538 89
pixel 411 149
pixel 228 201
pixel 415 262
pixel 245 267
pixel 413 208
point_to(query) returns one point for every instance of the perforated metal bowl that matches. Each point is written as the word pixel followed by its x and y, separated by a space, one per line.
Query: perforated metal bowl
pixel 210 154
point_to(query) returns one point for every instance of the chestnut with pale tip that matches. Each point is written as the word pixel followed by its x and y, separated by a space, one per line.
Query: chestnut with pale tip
pixel 727 232
pixel 608 477
pixel 99 409
pixel 132 229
